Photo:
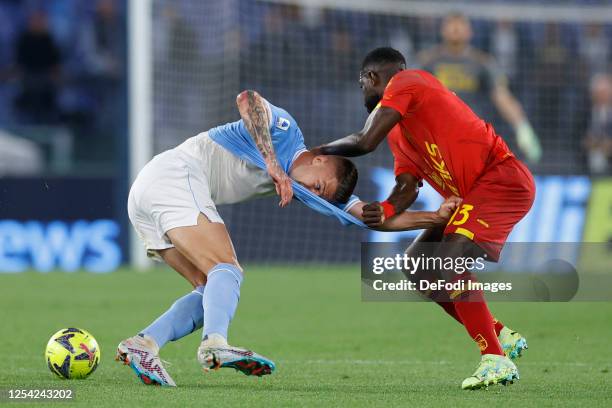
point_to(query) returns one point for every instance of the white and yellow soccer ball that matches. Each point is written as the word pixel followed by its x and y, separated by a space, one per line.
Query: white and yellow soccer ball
pixel 72 353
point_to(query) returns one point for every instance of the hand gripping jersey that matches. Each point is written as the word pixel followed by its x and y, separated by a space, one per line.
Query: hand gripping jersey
pixel 288 143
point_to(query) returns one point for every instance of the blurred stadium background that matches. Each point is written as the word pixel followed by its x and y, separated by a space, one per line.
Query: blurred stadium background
pixel 91 90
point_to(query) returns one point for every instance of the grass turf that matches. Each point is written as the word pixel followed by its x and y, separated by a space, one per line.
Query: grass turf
pixel 331 349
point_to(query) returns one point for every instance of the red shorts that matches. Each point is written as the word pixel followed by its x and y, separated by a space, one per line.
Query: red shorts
pixel 499 199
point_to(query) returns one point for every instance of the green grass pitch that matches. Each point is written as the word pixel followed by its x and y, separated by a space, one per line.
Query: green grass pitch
pixel 331 349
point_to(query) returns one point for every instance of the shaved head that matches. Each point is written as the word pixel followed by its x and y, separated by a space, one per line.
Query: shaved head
pixel 383 56
pixel 377 68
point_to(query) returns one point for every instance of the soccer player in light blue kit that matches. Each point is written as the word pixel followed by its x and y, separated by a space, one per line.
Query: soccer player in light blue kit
pixel 172 206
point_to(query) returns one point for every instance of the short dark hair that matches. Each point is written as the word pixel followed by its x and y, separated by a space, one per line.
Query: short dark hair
pixel 346 174
pixel 383 55
pixel 456 15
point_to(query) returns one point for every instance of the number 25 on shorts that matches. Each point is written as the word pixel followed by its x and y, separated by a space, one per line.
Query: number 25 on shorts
pixel 464 212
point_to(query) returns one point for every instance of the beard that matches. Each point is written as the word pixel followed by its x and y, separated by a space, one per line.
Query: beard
pixel 371 101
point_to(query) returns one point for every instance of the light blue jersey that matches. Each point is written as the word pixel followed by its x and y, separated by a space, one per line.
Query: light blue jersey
pixel 288 143
pixel 287 138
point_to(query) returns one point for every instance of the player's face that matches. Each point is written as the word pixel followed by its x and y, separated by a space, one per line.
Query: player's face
pixel 371 95
pixel 456 30
pixel 319 177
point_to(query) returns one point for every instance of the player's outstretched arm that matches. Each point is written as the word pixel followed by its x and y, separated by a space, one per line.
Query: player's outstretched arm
pixel 379 124
pixel 411 220
pixel 256 117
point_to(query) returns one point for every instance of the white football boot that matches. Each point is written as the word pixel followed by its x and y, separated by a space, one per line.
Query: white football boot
pixel 215 353
pixel 142 354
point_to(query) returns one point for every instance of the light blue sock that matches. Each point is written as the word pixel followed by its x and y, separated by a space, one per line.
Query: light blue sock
pixel 220 298
pixel 184 317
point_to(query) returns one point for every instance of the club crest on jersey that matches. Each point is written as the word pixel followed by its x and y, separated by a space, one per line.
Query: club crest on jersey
pixel 282 123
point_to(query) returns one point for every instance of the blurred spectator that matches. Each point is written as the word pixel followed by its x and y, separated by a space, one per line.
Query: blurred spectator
pixel 184 55
pixel 476 78
pixel 505 47
pixel 426 35
pixel 91 103
pixel 38 63
pixel 183 107
pixel 279 48
pixel 551 77
pixel 104 45
pixel 342 63
pixel 598 140
pixel 595 47
pixel 102 41
pixel 400 39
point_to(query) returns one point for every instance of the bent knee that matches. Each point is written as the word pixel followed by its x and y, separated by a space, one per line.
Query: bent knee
pixel 233 262
pixel 198 280
pixel 206 263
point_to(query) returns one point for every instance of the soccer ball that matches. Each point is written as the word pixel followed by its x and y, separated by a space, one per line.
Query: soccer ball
pixel 72 353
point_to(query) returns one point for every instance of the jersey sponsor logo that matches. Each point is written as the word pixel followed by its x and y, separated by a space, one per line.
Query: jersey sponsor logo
pixel 441 175
pixel 282 123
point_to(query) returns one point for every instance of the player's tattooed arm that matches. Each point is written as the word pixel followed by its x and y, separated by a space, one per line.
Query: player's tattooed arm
pixel 256 117
pixel 377 126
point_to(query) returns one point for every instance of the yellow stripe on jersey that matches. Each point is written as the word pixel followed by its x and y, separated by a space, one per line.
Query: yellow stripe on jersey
pixel 465 232
pixel 483 222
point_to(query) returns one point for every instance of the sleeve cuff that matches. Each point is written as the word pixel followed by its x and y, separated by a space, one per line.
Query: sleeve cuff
pixel 351 204
pixel 396 107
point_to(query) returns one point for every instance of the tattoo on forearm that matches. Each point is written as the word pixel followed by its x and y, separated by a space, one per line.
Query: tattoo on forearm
pixel 256 118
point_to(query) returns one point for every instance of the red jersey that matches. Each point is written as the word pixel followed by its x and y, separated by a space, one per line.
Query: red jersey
pixel 439 138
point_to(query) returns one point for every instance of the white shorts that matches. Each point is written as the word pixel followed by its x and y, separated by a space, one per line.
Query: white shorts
pixel 169 192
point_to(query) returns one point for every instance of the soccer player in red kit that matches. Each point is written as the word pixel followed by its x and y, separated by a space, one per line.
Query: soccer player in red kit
pixel 435 136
